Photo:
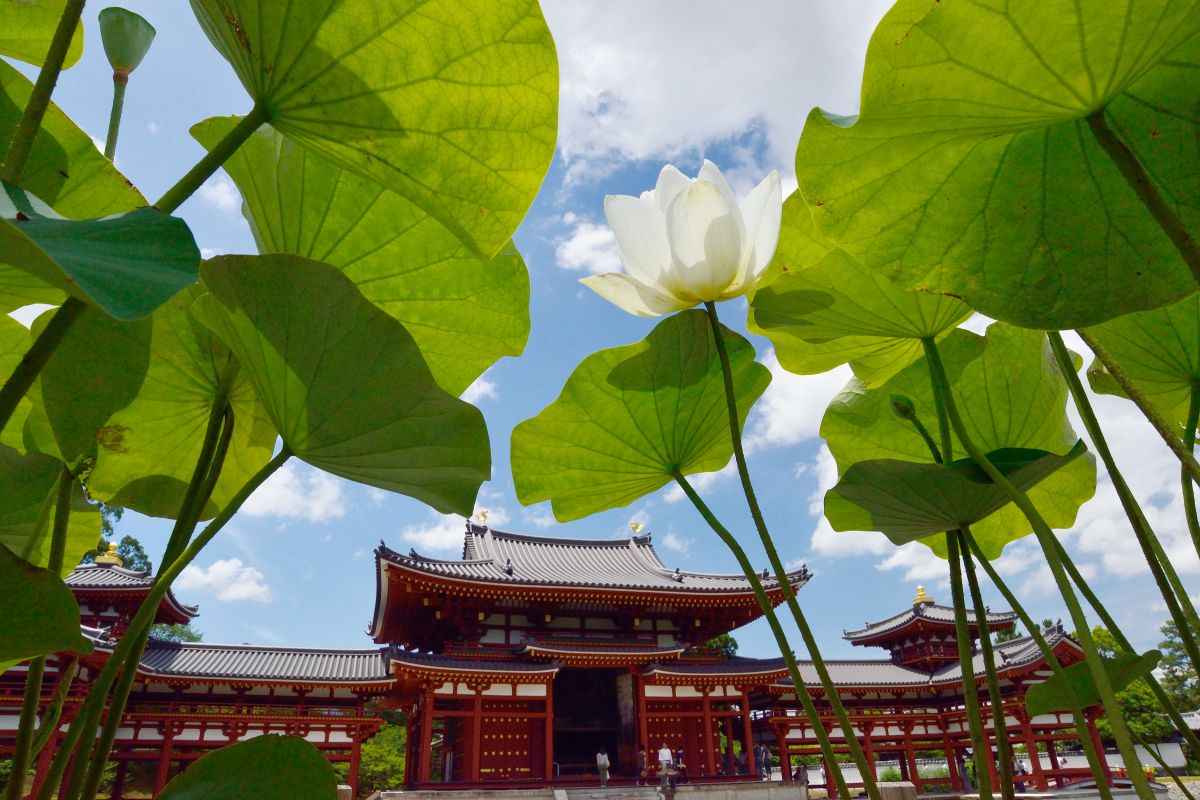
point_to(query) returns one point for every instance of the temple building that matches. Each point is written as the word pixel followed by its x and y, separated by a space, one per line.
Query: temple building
pixel 513 664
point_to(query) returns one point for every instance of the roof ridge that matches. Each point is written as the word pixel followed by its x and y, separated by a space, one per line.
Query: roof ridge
pixel 163 643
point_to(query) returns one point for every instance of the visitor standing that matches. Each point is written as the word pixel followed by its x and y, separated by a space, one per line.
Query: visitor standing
pixel 665 757
pixel 602 767
pixel 641 765
pixel 765 763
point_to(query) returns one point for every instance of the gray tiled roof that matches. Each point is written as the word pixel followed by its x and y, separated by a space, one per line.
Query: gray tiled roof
pixel 509 558
pixel 433 661
pixel 929 611
pixel 111 577
pixel 198 660
pixel 1192 718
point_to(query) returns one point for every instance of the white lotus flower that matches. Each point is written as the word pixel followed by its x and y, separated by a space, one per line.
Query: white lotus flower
pixel 688 242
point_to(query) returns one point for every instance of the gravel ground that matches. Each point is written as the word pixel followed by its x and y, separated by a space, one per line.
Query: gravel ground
pixel 1193 787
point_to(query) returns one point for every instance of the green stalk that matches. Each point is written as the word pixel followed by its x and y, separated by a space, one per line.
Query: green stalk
pixel 789 596
pixel 1048 542
pixel 53 712
pixel 35 359
pixel 37 667
pixel 1164 428
pixel 982 753
pixel 200 488
pixel 1169 585
pixel 1089 747
pixel 999 721
pixel 114 116
pixel 768 610
pixel 39 99
pixel 1159 759
pixel 1189 488
pixel 1134 175
pixel 1111 624
pixel 144 617
pixel 204 168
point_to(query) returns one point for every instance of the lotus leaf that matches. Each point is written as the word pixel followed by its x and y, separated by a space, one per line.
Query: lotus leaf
pixel 40 612
pixel 1076 682
pixel 265 767
pixel 26 28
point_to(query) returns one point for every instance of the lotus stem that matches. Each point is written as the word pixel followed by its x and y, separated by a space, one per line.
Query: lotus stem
pixel 1164 428
pixel 999 723
pixel 1172 589
pixel 35 360
pixel 1149 748
pixel 789 596
pixel 1111 624
pixel 204 477
pixel 982 754
pixel 114 116
pixel 768 610
pixel 212 160
pixel 1089 747
pixel 1048 542
pixel 39 99
pixel 53 713
pixel 37 667
pixel 89 711
pixel 1189 488
pixel 1134 175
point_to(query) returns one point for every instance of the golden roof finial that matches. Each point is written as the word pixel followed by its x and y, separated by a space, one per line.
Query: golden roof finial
pixel 636 527
pixel 921 597
pixel 481 515
pixel 110 558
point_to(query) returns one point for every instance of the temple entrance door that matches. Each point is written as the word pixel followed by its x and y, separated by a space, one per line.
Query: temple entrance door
pixel 587 717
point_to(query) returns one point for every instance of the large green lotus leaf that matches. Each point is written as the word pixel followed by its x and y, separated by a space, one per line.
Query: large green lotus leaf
pixel 836 312
pixel 96 370
pixel 344 383
pixel 907 501
pixel 1159 350
pixel 800 243
pixel 14 343
pixel 26 28
pixel 451 103
pixel 464 311
pixel 40 612
pixel 971 170
pixel 64 168
pixel 27 510
pixel 127 265
pixel 149 448
pixel 629 417
pixel 1076 683
pixel 1010 394
pixel 266 767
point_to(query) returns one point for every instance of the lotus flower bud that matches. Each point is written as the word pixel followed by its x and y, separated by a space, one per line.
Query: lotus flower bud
pixel 903 407
pixel 127 37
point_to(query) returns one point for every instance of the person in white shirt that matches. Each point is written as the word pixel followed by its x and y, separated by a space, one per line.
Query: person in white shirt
pixel 665 757
pixel 602 767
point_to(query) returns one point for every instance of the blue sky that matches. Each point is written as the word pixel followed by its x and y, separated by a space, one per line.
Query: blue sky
pixel 642 84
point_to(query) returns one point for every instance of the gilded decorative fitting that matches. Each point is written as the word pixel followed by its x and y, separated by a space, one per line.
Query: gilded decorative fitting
pixel 921 597
pixel 110 558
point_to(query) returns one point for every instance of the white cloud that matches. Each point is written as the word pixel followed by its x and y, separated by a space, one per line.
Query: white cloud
pixel 444 533
pixel 539 516
pixel 152 127
pixel 588 247
pixel 229 579
pixel 479 390
pixel 825 540
pixel 211 252
pixel 298 493
pixel 918 562
pixel 221 193
pixel 790 410
pixel 378 495
pixel 673 541
pixel 693 72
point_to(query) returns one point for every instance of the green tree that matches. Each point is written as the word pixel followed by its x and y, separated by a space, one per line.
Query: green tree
pixel 133 555
pixel 175 633
pixel 725 644
pixel 1006 635
pixel 1179 673
pixel 382 761
pixel 1142 711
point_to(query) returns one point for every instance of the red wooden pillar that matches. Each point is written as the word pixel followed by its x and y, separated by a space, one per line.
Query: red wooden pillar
pixel 643 723
pixel 956 782
pixel 355 758
pixel 748 736
pixel 868 745
pixel 1031 745
pixel 785 752
pixel 164 758
pixel 1053 755
pixel 425 743
pixel 476 731
pixel 1095 734
pixel 550 730
pixel 709 765
pixel 910 755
